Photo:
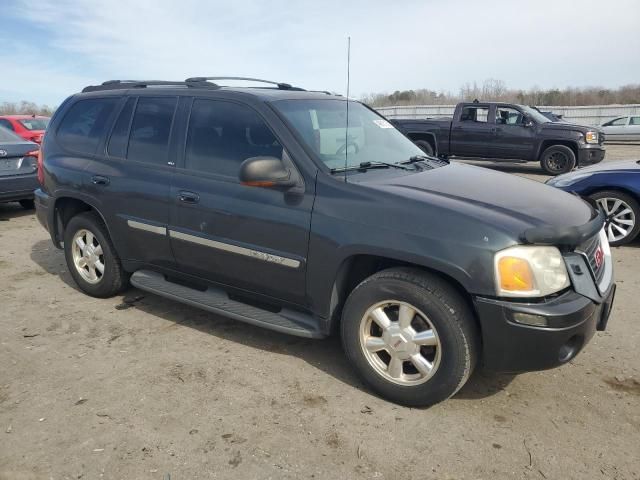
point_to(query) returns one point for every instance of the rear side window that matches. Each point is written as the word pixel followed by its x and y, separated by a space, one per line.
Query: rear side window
pixel 85 123
pixel 474 114
pixel 222 135
pixel 6 124
pixel 149 139
pixel 117 146
pixel 634 121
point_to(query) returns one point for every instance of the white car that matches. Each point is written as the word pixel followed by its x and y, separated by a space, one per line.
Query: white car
pixel 622 129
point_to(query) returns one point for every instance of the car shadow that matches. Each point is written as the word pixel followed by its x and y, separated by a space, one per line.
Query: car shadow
pixel 12 210
pixel 326 355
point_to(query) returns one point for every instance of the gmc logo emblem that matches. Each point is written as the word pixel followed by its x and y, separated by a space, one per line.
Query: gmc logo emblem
pixel 598 256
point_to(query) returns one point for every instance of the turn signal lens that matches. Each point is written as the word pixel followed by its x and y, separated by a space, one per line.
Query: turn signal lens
pixel 530 271
pixel 515 275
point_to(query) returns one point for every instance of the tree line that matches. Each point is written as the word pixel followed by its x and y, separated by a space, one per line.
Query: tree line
pixel 25 108
pixel 497 91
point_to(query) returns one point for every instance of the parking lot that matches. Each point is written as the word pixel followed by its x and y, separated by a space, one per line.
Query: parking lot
pixel 139 387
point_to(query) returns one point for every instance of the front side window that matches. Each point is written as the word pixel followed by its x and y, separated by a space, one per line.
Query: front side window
pixel 222 135
pixel 85 123
pixel 509 116
pixel 150 130
pixel 322 126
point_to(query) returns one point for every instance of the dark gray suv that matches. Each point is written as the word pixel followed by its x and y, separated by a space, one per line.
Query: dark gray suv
pixel 266 205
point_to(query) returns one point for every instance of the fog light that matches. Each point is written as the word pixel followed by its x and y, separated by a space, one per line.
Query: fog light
pixel 529 319
pixel 570 349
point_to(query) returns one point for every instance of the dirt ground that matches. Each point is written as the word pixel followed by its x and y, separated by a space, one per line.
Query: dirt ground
pixel 138 387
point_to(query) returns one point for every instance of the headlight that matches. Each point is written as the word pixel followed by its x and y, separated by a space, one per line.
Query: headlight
pixel 530 271
pixel 591 137
pixel 566 180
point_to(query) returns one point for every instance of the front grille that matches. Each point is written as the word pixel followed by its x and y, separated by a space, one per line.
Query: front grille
pixel 589 248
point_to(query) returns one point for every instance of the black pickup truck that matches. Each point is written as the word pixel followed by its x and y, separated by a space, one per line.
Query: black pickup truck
pixel 507 132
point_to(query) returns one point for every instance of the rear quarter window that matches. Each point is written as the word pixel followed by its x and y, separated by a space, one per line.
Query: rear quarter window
pixel 85 123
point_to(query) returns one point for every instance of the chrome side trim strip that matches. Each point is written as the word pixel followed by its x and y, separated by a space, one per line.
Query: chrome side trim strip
pixel 146 227
pixel 226 247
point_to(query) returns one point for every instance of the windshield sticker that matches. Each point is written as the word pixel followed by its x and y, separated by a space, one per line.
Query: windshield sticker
pixel 382 123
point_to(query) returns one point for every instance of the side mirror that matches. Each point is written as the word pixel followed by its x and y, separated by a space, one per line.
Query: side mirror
pixel 527 122
pixel 266 172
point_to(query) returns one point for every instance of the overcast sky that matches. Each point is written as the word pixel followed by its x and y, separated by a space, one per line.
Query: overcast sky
pixel 52 48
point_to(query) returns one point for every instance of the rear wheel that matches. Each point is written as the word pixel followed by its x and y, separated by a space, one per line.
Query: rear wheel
pixel 91 258
pixel 623 216
pixel 558 159
pixel 425 147
pixel 27 204
pixel 410 336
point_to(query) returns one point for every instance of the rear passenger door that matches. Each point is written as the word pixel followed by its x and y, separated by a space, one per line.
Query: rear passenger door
pixel 250 238
pixel 473 132
pixel 132 179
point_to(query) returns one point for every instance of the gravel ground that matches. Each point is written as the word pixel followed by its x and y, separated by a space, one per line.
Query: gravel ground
pixel 138 387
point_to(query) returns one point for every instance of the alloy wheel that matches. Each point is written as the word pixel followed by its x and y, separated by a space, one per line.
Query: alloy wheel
pixel 400 342
pixel 88 257
pixel 620 218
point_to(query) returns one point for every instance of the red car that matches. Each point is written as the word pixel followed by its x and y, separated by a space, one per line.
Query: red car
pixel 29 127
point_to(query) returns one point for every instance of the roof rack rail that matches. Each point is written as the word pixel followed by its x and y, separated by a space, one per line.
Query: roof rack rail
pixel 280 85
pixel 126 84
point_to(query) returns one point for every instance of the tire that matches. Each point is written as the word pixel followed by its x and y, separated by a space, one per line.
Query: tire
pixel 28 204
pixel 557 159
pixel 452 357
pixel 113 278
pixel 623 213
pixel 425 147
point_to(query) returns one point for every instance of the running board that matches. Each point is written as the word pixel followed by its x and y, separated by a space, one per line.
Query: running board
pixel 217 301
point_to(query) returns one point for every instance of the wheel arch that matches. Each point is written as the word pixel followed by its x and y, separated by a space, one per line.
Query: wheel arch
pixel 425 136
pixel 65 208
pixel 355 268
pixel 552 143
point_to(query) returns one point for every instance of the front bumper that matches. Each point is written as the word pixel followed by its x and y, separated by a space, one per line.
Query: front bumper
pixel 17 187
pixel 520 337
pixel 590 154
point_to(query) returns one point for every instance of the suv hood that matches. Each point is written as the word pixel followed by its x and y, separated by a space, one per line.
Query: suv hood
pixel 506 202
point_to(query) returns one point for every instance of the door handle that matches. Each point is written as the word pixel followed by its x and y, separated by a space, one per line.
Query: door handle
pixel 100 180
pixel 188 197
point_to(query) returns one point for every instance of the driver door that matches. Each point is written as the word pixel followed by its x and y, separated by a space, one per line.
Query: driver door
pixel 246 237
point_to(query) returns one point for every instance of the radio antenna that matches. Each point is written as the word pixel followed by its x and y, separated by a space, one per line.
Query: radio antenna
pixel 346 131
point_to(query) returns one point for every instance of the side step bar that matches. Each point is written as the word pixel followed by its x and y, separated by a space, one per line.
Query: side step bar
pixel 217 301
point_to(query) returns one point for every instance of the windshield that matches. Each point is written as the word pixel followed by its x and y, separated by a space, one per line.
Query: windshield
pixel 535 115
pixel 35 123
pixel 322 126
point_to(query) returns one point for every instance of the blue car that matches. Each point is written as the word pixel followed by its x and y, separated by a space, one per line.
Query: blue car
pixel 615 186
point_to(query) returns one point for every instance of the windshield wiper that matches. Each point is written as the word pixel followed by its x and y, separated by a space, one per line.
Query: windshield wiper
pixel 426 158
pixel 369 165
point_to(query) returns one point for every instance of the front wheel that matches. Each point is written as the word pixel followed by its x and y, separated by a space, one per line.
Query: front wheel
pixel 91 258
pixel 410 336
pixel 623 216
pixel 558 159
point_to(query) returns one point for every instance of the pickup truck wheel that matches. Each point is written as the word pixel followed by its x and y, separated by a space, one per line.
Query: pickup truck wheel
pixel 91 257
pixel 410 336
pixel 425 147
pixel 623 216
pixel 557 160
